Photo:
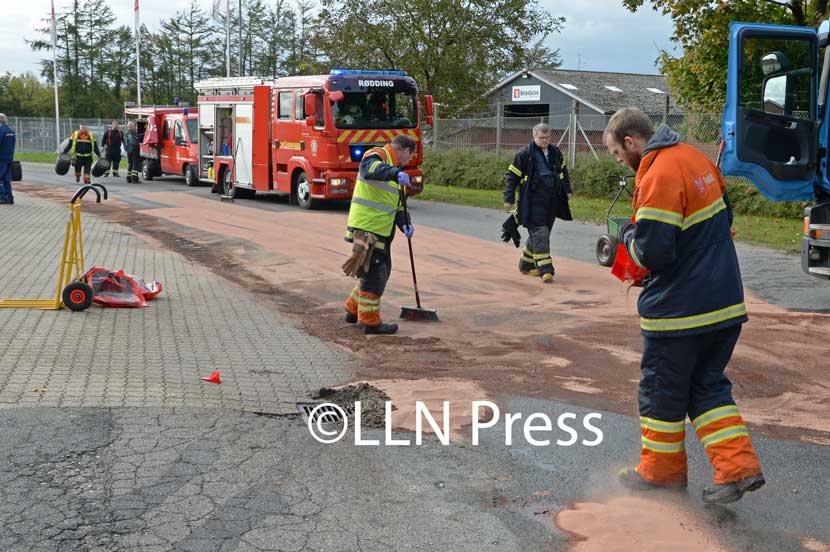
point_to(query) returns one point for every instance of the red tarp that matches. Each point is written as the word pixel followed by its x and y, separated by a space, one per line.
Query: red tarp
pixel 117 289
pixel 151 133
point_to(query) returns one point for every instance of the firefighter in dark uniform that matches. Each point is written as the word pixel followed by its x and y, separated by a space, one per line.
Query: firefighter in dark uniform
pixel 81 146
pixel 113 138
pixel 539 174
pixel 7 139
pixel 132 145
pixel 375 211
pixel 691 310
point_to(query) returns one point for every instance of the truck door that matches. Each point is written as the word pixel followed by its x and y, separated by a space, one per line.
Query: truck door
pixel 166 146
pixel 180 148
pixel 770 120
pixel 285 135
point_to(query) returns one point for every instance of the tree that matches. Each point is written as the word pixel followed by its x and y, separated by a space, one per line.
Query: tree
pixel 701 28
pixel 455 50
pixel 24 96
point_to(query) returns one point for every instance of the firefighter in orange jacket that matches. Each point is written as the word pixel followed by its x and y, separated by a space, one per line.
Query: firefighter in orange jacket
pixel 691 308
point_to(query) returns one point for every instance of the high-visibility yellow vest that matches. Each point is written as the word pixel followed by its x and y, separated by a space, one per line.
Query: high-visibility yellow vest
pixel 375 202
pixel 75 141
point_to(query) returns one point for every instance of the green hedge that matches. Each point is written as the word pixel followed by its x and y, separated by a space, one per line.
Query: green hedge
pixel 589 178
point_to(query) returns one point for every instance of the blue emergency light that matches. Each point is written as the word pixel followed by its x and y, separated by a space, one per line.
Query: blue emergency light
pixel 361 72
pixel 356 151
pixel 185 112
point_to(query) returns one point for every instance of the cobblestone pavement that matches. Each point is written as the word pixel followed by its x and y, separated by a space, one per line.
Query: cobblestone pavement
pixel 145 357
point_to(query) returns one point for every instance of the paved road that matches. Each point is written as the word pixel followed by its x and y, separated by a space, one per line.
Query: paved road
pixel 170 476
pixel 773 276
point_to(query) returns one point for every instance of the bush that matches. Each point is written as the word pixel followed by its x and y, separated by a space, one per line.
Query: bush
pixel 595 178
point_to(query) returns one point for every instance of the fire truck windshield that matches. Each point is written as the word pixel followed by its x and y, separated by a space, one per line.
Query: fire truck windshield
pixel 193 130
pixel 376 109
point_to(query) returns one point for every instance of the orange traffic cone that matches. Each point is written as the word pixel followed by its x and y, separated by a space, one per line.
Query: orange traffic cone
pixel 213 378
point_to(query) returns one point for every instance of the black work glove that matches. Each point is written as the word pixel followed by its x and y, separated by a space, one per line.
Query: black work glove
pixel 622 231
pixel 510 230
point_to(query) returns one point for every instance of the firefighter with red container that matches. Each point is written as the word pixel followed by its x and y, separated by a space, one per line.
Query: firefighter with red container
pixel 691 311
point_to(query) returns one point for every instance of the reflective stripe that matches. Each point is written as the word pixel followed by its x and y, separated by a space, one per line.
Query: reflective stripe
pixel 725 434
pixel 660 215
pixel 714 415
pixel 367 301
pixel 658 446
pixel 704 214
pixel 374 205
pixel 633 254
pixel 363 308
pixel 661 426
pixel 382 185
pixel 541 255
pixel 684 323
pixel 512 168
pixel 545 262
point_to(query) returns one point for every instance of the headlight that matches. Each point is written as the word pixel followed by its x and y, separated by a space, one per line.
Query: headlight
pixel 338 182
pixel 417 179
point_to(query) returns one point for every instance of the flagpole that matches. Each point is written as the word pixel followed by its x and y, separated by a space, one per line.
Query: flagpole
pixel 240 38
pixel 228 38
pixel 55 78
pixel 138 53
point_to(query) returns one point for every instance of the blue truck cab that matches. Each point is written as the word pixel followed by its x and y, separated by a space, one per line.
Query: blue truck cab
pixel 775 123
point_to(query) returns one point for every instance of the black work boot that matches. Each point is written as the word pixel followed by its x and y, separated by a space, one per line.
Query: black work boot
pixel 382 329
pixel 351 318
pixel 727 493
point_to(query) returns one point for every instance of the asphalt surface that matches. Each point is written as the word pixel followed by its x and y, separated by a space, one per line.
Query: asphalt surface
pixel 155 479
pixel 773 276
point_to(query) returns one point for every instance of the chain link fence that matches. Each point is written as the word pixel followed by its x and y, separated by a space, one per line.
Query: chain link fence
pixel 37 134
pixel 574 133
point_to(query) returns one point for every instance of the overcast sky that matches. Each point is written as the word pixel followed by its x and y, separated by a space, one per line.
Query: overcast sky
pixel 599 35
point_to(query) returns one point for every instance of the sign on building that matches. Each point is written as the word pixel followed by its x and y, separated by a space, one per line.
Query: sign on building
pixel 527 93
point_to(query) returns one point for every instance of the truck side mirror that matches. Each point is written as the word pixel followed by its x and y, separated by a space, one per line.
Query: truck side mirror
pixel 336 96
pixel 310 102
pixel 428 105
pixel 311 121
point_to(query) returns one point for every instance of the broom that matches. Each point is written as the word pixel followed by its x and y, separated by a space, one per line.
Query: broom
pixel 415 313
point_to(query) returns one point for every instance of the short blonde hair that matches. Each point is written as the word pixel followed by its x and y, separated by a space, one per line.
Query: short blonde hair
pixel 629 121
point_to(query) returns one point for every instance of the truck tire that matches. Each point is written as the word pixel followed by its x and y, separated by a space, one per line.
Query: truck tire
pixel 147 170
pixel 606 250
pixel 302 191
pixel 232 191
pixel 190 178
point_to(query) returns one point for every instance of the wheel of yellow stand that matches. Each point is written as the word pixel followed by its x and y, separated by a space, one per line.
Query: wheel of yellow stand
pixel 77 296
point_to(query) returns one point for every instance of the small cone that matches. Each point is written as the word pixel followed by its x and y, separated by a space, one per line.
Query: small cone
pixel 213 378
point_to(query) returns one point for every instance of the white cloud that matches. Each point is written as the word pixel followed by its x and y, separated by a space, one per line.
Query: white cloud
pixel 602 35
pixel 599 35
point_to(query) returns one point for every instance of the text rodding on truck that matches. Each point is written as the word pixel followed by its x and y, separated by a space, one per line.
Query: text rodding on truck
pixel 304 136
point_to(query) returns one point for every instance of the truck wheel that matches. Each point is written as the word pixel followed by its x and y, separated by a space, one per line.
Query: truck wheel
pixel 146 170
pixel 77 296
pixel 230 190
pixel 190 178
pixel 606 250
pixel 303 192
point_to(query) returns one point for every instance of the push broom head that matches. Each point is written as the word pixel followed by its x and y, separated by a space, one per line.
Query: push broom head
pixel 419 315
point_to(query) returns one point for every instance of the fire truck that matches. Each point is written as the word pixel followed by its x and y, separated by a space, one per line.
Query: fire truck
pixel 171 141
pixel 304 136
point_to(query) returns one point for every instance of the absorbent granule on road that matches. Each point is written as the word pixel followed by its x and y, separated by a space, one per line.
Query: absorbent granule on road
pixel 635 524
pixel 372 402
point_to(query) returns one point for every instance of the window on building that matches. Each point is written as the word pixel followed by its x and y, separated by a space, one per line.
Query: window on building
pixel 568 86
pixel 655 90
pixel 613 88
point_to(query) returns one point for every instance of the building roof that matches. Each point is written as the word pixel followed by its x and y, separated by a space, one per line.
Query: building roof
pixel 606 92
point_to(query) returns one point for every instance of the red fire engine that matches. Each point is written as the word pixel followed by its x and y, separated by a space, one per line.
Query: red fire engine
pixel 304 136
pixel 171 141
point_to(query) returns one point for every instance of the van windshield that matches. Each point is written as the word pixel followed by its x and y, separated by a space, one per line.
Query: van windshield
pixel 193 130
pixel 378 109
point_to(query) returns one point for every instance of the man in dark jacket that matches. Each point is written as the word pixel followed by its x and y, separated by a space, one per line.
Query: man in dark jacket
pixel 7 140
pixel 81 145
pixel 132 144
pixel 113 138
pixel 691 308
pixel 541 177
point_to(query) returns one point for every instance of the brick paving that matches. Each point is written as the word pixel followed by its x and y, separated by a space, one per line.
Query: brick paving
pixel 152 356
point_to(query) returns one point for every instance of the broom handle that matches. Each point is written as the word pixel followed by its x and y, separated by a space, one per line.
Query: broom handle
pixel 411 255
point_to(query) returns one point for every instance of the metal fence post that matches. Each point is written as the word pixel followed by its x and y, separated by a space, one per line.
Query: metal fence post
pixel 434 125
pixel 572 137
pixel 499 115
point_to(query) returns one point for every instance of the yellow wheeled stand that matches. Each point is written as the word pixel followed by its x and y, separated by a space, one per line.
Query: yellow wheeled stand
pixel 76 295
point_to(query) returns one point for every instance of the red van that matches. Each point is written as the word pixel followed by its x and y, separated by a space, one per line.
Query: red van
pixel 171 141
